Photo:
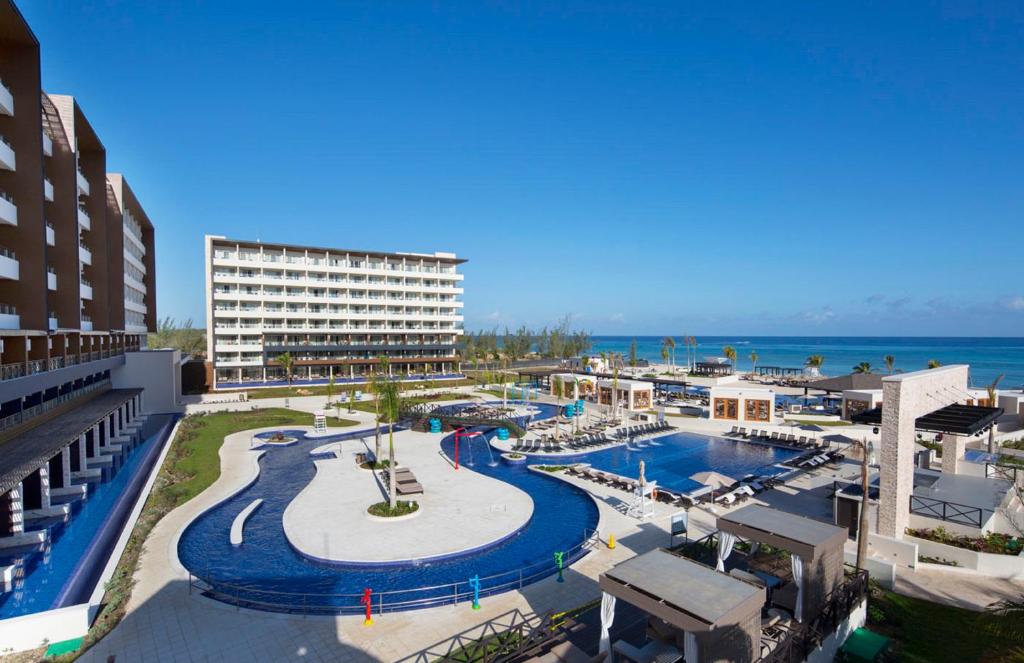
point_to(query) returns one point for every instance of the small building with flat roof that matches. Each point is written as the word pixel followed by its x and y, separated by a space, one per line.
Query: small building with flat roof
pixel 742 404
pixel 633 394
pixel 573 386
pixel 856 401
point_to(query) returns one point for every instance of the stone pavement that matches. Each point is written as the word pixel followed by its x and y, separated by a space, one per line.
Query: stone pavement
pixel 328 519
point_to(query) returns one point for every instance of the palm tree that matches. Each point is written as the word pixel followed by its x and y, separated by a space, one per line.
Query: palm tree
pixel 390 398
pixel 863 368
pixel 378 382
pixel 330 389
pixel 890 362
pixel 934 363
pixel 664 353
pixel 556 386
pixel 670 345
pixel 288 365
pixel 814 361
pixel 753 360
pixel 993 392
pixel 730 354
pixel 862 527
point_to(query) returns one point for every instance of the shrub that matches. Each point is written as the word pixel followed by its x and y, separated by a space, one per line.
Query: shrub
pixel 384 510
pixel 993 542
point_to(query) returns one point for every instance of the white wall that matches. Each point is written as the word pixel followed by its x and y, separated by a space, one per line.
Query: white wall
pixel 988 564
pixel 158 372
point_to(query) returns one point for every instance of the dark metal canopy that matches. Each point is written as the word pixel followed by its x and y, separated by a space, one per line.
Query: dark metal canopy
pixel 853 381
pixel 954 419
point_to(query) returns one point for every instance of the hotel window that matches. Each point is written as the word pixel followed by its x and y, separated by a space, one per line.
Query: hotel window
pixel 758 410
pixel 727 408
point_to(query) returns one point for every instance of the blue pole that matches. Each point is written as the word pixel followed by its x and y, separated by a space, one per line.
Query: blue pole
pixel 474 582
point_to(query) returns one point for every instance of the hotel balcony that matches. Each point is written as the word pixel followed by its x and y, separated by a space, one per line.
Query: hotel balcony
pixel 51 278
pixel 9 318
pixel 83 218
pixel 7 161
pixel 53 324
pixel 83 184
pixel 86 325
pixel 47 145
pixel 51 234
pixel 8 210
pixel 6 100
pixel 86 289
pixel 47 190
pixel 84 254
pixel 8 264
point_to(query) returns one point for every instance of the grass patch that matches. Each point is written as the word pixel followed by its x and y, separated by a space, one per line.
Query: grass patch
pixel 191 466
pixel 926 632
pixel 551 468
pixel 384 510
pixel 341 390
pixel 993 542
pixel 815 422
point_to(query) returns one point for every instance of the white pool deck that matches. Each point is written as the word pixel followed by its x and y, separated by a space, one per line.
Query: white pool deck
pixel 164 622
pixel 459 510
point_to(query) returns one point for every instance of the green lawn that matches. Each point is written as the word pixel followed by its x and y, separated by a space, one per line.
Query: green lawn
pixel 926 632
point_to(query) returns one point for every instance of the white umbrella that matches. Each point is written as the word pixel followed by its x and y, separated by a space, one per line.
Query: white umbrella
pixel 641 474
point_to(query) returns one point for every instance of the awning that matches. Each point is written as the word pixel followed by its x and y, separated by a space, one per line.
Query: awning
pixel 954 419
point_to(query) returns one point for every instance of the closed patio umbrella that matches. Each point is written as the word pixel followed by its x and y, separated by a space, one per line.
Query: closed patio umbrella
pixel 714 479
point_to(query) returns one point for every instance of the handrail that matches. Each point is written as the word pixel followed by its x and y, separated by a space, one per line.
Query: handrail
pixel 947 511
pixel 386 601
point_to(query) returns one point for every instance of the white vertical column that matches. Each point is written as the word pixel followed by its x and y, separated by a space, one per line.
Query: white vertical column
pixel 65 465
pixel 44 486
pixel 82 457
pixel 17 507
pixel 96 437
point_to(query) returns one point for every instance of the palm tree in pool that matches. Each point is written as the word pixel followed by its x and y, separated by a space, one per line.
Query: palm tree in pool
pixel 864 368
pixel 288 365
pixel 377 385
pixel 753 361
pixel 730 354
pixel 815 362
pixel 934 363
pixel 390 397
pixel 890 363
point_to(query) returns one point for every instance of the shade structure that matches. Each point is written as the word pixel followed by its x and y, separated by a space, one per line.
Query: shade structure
pixel 713 479
pixel 954 419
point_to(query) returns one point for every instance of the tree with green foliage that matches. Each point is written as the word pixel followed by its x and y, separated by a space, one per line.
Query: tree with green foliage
pixel 753 360
pixel 934 363
pixel 730 354
pixel 632 354
pixel 890 363
pixel 378 379
pixel 389 397
pixel 670 344
pixel 184 337
pixel 330 389
pixel 352 400
pixel 863 368
pixel 815 361
pixel 558 386
pixel 664 354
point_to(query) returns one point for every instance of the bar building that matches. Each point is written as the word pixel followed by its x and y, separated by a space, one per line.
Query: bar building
pixel 335 311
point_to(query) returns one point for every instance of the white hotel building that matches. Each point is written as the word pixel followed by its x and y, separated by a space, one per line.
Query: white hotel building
pixel 335 311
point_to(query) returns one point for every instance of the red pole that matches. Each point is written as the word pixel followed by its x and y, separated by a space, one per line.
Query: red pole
pixel 369 605
pixel 458 432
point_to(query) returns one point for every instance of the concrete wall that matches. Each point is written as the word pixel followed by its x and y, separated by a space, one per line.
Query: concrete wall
pixel 830 646
pixel 988 564
pixel 31 631
pixel 156 371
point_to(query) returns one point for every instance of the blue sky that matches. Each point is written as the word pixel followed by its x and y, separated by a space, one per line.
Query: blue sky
pixel 704 168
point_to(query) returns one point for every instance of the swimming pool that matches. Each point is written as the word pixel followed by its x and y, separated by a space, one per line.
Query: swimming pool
pixel 672 459
pixel 64 570
pixel 267 573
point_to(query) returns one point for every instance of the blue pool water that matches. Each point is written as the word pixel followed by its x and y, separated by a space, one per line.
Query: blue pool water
pixel 672 459
pixel 266 572
pixel 64 570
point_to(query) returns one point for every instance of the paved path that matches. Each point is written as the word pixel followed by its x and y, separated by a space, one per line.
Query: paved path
pixel 458 511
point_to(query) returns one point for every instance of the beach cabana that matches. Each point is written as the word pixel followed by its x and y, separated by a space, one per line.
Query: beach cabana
pixel 574 386
pixel 706 615
pixel 815 549
pixel 633 394
pixel 742 404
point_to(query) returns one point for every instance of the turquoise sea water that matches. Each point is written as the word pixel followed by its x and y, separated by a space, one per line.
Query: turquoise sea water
pixel 988 357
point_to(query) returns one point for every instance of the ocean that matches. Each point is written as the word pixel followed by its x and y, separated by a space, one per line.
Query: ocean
pixel 988 357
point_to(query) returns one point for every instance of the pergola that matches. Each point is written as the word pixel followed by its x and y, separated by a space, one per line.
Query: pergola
pixel 816 550
pixel 717 617
pixel 778 371
pixel 712 369
pixel 955 419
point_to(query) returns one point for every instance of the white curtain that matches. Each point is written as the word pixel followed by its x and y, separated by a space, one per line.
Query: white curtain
pixel 725 544
pixel 690 647
pixel 607 617
pixel 798 578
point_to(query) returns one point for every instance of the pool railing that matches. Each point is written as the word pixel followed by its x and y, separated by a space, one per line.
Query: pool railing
pixel 313 603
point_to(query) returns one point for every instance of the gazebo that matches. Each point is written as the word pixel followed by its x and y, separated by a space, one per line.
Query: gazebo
pixel 713 616
pixel 815 549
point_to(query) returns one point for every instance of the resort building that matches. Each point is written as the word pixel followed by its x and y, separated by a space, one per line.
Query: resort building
pixel 335 311
pixel 573 386
pixel 77 300
pixel 856 401
pixel 742 404
pixel 632 394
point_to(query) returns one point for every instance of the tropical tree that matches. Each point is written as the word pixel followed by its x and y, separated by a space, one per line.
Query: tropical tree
pixel 993 393
pixel 632 354
pixel 615 391
pixel 934 363
pixel 670 344
pixel 288 365
pixel 351 400
pixel 890 363
pixel 378 381
pixel 730 354
pixel 753 360
pixel 330 389
pixel 863 368
pixel 863 526
pixel 814 361
pixel 556 386
pixel 390 399
pixel 664 354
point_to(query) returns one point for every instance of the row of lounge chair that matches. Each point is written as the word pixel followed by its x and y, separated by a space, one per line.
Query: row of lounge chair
pixel 644 429
pixel 738 492
pixel 813 459
pixel 405 482
pixel 788 439
pixel 588 440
